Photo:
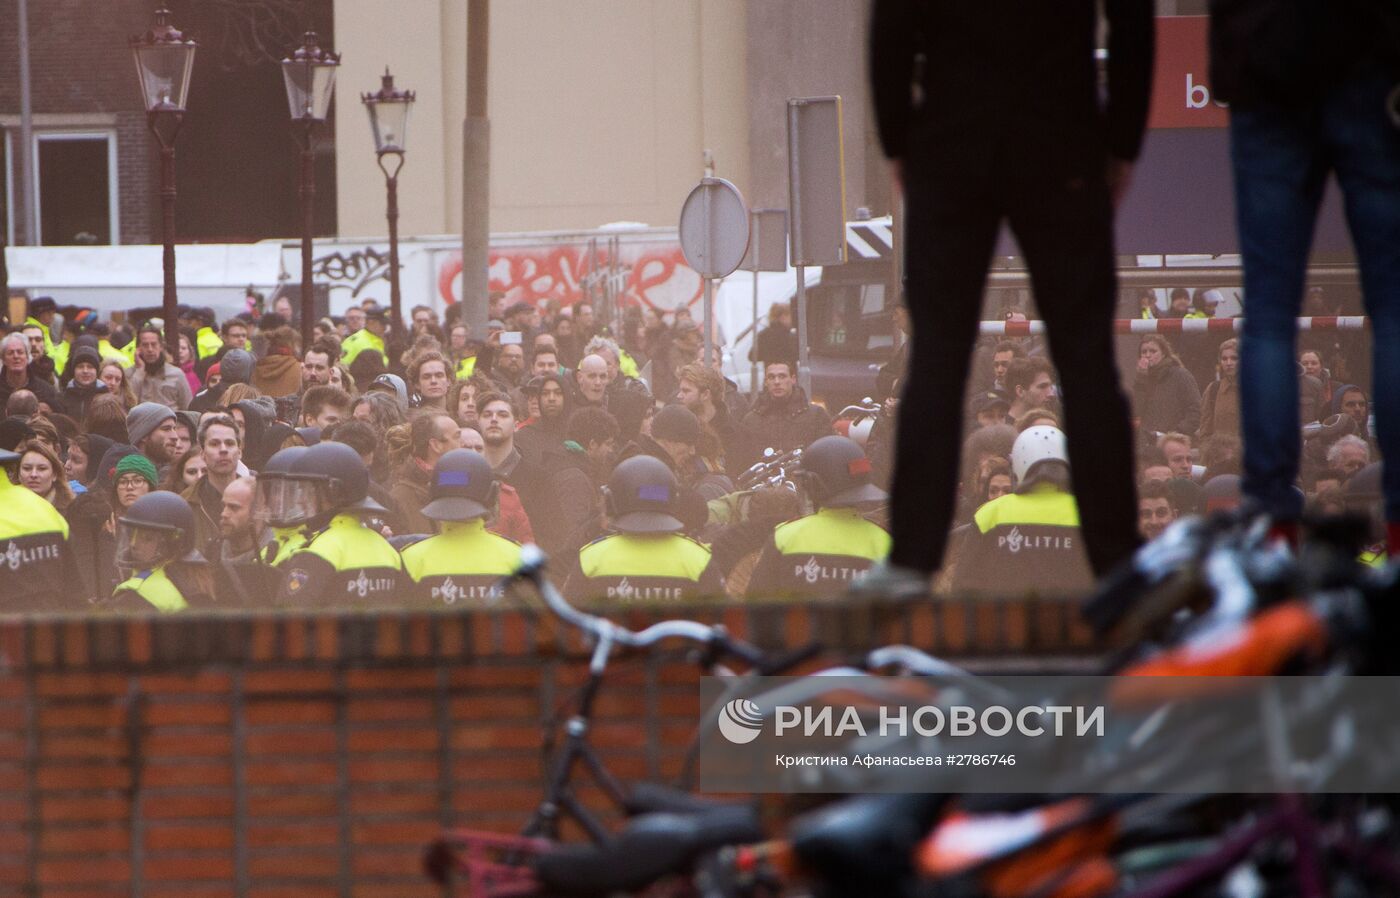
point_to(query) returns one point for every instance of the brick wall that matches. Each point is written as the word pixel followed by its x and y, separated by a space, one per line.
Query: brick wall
pixel 316 755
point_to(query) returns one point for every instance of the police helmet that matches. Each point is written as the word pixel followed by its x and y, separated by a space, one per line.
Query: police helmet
pixel 642 496
pixel 1222 493
pixel 1033 448
pixel 341 476
pixel 463 487
pixel 838 473
pixel 157 529
pixel 284 501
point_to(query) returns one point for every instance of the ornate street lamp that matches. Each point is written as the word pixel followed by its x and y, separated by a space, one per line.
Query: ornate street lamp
pixel 310 76
pixel 388 110
pixel 164 58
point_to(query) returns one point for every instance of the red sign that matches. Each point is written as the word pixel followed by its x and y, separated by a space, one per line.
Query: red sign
pixel 1181 94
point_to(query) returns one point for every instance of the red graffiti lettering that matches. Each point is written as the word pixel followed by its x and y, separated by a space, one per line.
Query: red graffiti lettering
pixel 655 275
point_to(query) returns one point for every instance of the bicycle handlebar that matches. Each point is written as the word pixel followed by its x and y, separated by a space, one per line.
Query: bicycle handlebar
pixel 923 664
pixel 716 637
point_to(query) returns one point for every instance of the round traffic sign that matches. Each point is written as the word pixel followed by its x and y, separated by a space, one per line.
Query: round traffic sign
pixel 714 228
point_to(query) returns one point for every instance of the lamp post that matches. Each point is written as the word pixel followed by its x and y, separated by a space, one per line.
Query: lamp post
pixel 388 110
pixel 310 76
pixel 164 58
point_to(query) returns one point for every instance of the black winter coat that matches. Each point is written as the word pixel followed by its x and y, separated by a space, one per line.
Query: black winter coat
pixel 1166 400
pixel 789 423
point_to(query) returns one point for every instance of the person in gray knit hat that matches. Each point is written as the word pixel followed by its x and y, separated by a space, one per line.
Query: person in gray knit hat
pixel 235 367
pixel 151 428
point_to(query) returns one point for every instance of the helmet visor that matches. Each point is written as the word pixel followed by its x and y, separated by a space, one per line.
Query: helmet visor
pixel 288 502
pixel 142 548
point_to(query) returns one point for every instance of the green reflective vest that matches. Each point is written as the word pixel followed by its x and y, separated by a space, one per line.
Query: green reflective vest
pixel 463 563
pixel 358 342
pixel 644 567
pixel 818 554
pixel 33 545
pixel 155 587
pixel 207 342
pixel 344 565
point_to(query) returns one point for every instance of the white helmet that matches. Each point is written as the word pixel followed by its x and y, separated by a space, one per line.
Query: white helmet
pixel 1035 445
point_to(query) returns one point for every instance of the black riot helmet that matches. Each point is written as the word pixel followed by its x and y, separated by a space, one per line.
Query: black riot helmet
pixel 340 477
pixel 642 496
pixel 157 529
pixel 283 500
pixel 838 473
pixel 463 488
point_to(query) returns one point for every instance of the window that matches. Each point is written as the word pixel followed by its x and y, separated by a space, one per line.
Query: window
pixel 850 319
pixel 77 188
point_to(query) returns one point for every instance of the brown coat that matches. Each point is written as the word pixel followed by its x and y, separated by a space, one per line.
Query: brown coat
pixel 277 375
pixel 208 504
pixel 1220 409
pixel 410 493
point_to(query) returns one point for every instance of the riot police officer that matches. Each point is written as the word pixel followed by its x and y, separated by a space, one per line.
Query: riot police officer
pixel 464 562
pixel 1028 540
pixel 286 519
pixel 343 562
pixel 155 548
pixel 33 546
pixel 820 553
pixel 646 558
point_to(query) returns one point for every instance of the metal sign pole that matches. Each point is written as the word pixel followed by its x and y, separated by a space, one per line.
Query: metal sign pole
pixel 709 225
pixel 709 322
pixel 753 337
pixel 804 377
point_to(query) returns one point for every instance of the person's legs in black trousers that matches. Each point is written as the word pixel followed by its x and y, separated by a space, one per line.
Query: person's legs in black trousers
pixel 950 232
pixel 1064 226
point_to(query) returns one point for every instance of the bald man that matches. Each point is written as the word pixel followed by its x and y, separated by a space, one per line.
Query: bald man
pixel 592 377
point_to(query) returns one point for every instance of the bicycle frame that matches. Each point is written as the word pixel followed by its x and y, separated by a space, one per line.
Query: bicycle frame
pixel 559 799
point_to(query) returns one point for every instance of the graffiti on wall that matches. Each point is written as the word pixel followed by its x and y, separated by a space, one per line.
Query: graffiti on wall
pixel 650 275
pixel 352 271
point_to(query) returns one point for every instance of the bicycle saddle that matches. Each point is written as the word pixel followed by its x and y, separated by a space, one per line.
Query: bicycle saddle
pixel 864 846
pixel 650 847
pixel 651 798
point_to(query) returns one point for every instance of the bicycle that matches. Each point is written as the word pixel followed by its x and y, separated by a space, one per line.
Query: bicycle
pixel 683 824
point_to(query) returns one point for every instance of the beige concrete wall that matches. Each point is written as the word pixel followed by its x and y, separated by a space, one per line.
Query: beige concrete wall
pixel 405 36
pixel 600 109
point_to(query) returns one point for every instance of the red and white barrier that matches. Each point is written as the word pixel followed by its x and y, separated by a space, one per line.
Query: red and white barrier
pixel 1173 325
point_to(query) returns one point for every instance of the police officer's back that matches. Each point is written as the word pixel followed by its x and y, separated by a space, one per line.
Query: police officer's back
pixel 819 553
pixel 33 547
pixel 344 563
pixel 464 562
pixel 155 550
pixel 1028 540
pixel 646 558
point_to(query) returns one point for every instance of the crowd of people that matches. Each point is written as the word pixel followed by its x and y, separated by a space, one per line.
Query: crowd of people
pixel 1185 399
pixel 99 417
pixel 116 439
